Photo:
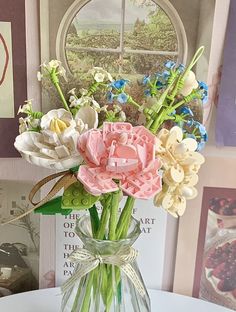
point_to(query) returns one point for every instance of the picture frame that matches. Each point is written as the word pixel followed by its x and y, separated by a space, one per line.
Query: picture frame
pixel 13 72
pixel 215 180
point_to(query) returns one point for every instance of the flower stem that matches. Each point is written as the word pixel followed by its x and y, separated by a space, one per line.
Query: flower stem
pixel 100 235
pixel 62 96
pixel 94 219
pixel 104 218
pixel 125 216
pixel 113 215
pixel 55 81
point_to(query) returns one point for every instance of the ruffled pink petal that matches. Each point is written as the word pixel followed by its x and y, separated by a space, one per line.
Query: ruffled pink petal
pixel 96 181
pixel 95 147
pixel 145 142
pixel 91 147
pixel 143 185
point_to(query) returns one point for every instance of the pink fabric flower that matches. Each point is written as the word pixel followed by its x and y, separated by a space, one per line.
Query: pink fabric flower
pixel 121 152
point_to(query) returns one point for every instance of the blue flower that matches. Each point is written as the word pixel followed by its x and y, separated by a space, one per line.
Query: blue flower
pixel 181 68
pixel 119 84
pixel 146 80
pixel 122 98
pixel 159 85
pixel 110 96
pixel 164 75
pixel 202 85
pixel 204 91
pixel 201 128
pixel 190 123
pixel 186 111
pixel 169 64
pixel 147 92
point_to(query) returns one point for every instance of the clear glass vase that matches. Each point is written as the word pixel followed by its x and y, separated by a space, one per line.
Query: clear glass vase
pixel 106 288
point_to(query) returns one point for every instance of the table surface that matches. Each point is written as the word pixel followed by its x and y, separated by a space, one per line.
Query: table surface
pixel 48 300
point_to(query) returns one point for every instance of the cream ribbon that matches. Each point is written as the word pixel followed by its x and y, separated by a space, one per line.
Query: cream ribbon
pixel 67 178
pixel 89 261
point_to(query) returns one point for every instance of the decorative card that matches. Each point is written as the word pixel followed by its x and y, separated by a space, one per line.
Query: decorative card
pixel 13 78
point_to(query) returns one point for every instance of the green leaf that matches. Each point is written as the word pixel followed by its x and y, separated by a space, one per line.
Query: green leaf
pixel 53 207
pixel 75 197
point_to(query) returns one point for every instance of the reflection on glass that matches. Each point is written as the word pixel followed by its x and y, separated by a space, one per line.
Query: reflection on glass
pixel 96 25
pixel 147 27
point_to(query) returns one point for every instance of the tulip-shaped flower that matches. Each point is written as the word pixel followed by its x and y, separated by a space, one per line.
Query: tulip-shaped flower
pixel 119 155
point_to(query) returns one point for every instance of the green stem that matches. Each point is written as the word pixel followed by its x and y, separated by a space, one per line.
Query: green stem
pixel 125 217
pixel 100 235
pixel 87 297
pixel 55 81
pixel 104 218
pixel 135 104
pixel 62 96
pixel 113 215
pixel 94 219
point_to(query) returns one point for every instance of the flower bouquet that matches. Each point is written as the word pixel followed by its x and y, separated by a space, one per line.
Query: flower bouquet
pixel 111 144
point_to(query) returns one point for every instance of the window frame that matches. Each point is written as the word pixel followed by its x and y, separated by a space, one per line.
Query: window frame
pixel 165 5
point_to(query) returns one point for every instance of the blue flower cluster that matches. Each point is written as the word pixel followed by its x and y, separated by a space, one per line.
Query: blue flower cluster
pixel 199 131
pixel 118 86
pixel 158 81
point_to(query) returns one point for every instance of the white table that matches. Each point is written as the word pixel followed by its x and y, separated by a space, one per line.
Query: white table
pixel 48 300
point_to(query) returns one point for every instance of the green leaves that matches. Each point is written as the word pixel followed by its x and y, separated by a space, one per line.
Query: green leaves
pixel 53 207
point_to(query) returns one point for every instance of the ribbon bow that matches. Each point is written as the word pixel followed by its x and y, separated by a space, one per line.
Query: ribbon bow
pixel 89 261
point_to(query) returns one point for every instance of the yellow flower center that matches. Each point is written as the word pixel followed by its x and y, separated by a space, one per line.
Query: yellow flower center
pixel 57 125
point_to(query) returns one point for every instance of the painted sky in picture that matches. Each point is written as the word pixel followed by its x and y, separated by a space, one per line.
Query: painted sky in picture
pixel 96 14
pixel 6 72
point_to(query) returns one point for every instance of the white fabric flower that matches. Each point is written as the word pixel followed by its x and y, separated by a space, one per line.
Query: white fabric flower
pixel 55 146
pixel 190 84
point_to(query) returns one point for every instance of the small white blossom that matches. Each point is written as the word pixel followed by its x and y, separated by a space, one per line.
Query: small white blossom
pixel 23 125
pixel 85 101
pixel 72 98
pixel 99 77
pixel 72 91
pixel 26 108
pixel 122 116
pixel 99 74
pixel 83 91
pixel 54 65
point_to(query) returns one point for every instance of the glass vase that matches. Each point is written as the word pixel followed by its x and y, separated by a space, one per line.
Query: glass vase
pixel 106 288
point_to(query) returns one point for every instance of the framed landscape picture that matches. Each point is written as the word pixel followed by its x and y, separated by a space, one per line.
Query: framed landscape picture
pixel 13 80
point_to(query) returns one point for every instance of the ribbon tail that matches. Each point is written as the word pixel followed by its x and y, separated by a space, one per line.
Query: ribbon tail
pixel 82 271
pixel 64 182
pixel 133 276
